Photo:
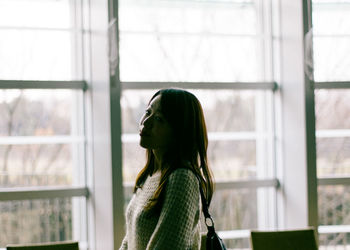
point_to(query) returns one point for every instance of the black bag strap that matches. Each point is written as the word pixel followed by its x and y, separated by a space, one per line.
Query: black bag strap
pixel 213 241
pixel 204 203
pixel 209 222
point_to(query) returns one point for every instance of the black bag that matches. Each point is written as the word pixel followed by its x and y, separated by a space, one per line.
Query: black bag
pixel 213 241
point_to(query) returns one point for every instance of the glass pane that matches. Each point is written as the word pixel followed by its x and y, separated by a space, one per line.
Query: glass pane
pixel 333 157
pixel 330 58
pixel 232 160
pixel 334 205
pixel 40 112
pixel 234 209
pixel 331 26
pixel 41 138
pixel 36 221
pixel 134 159
pixel 36 13
pixel 228 110
pixel 237 244
pixel 333 132
pixel 240 138
pixel 241 209
pixel 332 108
pixel 331 17
pixel 189 16
pixel 41 165
pixel 189 41
pixel 188 59
pixel 37 55
pixel 134 104
pixel 334 241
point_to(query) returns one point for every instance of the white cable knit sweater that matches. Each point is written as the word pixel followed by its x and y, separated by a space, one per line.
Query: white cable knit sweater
pixel 177 225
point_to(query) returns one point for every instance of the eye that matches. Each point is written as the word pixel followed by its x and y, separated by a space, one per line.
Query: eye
pixel 158 118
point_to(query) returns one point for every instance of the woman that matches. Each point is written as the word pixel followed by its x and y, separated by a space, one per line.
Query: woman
pixel 165 208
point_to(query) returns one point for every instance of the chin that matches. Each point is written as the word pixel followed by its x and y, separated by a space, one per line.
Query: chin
pixel 144 144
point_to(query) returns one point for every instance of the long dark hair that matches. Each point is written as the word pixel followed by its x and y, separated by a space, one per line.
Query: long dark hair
pixel 184 113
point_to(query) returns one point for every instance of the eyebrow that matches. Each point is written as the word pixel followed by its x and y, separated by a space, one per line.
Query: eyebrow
pixel 152 106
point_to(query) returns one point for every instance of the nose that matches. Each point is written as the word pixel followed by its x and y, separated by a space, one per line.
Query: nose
pixel 146 121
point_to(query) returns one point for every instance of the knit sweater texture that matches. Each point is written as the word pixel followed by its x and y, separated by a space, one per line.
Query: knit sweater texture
pixel 176 225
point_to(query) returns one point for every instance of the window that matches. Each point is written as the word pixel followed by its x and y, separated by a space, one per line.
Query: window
pixel 331 41
pixel 42 130
pixel 220 51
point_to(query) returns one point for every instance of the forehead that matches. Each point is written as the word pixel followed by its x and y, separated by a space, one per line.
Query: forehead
pixel 155 103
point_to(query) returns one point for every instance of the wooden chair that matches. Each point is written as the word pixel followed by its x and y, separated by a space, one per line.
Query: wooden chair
pixel 203 241
pixel 65 245
pixel 304 239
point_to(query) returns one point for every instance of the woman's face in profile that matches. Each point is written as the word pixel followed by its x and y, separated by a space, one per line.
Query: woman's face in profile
pixel 155 131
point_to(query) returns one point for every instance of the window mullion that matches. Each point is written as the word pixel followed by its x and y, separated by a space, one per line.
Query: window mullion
pixel 36 84
pixel 332 85
pixel 11 194
pixel 201 85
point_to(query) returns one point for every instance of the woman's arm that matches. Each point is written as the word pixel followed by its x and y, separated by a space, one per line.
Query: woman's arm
pixel 179 214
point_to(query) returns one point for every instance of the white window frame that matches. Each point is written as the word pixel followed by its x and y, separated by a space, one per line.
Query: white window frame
pixel 295 155
pixel 31 193
pixel 51 192
pixel 307 215
pixel 311 87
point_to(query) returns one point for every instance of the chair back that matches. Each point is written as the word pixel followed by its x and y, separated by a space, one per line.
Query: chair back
pixel 304 239
pixel 203 241
pixel 65 245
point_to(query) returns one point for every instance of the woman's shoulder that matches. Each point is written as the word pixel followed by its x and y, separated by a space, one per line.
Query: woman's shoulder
pixel 183 175
pixel 183 170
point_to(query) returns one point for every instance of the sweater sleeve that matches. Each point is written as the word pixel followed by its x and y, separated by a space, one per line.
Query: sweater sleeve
pixel 179 214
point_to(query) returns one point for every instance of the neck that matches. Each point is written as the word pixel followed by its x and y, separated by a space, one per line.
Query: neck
pixel 158 159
